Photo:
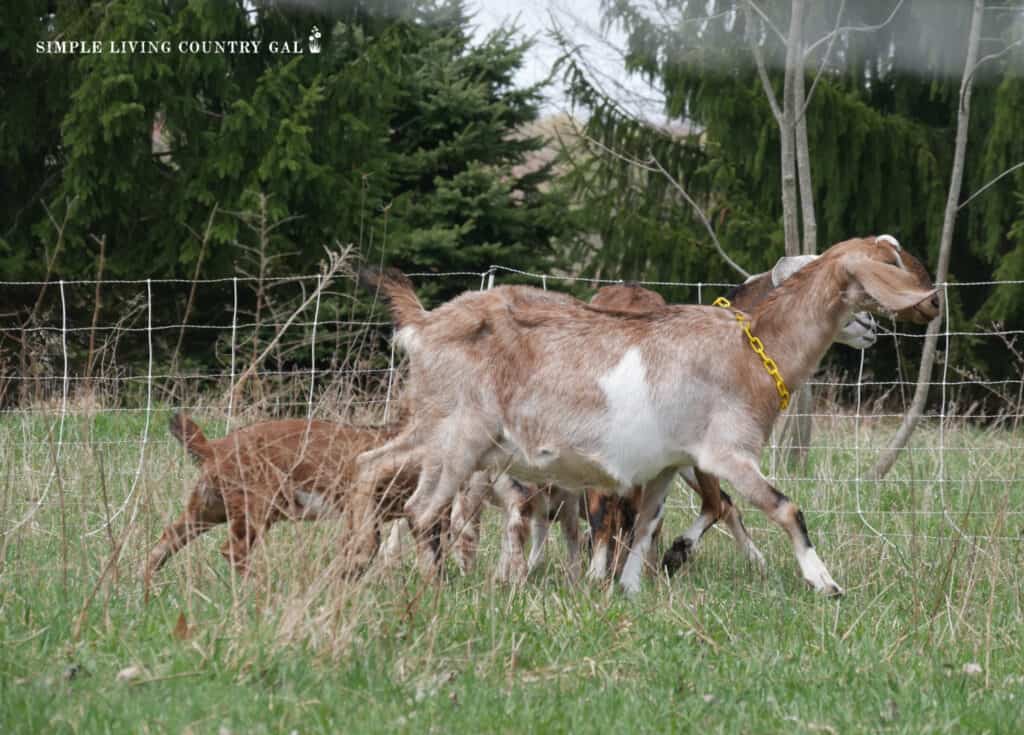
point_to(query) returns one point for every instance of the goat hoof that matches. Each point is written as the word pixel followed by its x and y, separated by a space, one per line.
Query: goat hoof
pixel 353 570
pixel 680 551
pixel 826 588
pixel 630 588
pixel 832 590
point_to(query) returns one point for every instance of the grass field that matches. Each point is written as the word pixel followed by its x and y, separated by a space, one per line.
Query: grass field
pixel 934 593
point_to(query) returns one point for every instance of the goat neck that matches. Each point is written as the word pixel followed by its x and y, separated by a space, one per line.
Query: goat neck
pixel 798 321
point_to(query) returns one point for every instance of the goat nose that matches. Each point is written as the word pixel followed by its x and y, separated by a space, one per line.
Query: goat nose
pixel 935 301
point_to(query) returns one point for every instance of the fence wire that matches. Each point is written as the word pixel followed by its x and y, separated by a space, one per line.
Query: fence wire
pixel 69 389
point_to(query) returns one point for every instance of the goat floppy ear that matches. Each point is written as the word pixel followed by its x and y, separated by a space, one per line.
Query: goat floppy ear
pixel 889 285
pixel 788 265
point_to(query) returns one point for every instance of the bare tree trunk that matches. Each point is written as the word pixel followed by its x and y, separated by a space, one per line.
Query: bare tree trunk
pixel 787 128
pixel 801 418
pixel 803 165
pixel 913 415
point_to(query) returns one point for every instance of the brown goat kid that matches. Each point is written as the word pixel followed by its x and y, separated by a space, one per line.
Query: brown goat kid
pixel 282 470
pixel 581 397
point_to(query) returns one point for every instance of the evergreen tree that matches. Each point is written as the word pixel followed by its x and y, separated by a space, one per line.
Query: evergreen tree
pixel 400 136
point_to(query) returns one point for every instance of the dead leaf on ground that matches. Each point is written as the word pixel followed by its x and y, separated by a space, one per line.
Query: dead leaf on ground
pixel 182 631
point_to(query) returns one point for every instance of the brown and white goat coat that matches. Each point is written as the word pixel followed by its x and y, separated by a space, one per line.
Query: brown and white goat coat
pixel 575 395
pixel 611 517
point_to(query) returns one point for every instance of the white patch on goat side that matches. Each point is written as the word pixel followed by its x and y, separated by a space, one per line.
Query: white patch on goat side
pixel 635 448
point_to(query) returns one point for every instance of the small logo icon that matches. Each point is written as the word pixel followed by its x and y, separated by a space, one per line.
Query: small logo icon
pixel 314 40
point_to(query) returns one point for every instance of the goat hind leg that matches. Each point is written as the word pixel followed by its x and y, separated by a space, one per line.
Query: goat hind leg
pixel 175 537
pixel 404 443
pixel 652 504
pixel 600 508
pixel 569 519
pixel 459 457
pixel 733 520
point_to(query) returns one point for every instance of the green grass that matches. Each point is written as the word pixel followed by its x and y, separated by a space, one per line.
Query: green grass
pixel 717 649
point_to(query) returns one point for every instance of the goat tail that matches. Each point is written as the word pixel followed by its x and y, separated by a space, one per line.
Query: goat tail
pixel 188 433
pixel 395 288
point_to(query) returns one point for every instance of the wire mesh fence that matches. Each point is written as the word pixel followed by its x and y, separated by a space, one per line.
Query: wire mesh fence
pixel 77 381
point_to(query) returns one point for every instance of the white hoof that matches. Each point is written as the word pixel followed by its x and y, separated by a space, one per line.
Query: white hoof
pixel 817 576
pixel 630 587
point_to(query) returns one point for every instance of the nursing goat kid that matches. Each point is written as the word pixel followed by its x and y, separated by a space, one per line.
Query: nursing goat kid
pixel 582 397
pixel 520 504
pixel 612 517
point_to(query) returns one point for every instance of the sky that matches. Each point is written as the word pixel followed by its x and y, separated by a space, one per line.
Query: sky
pixel 939 23
pixel 580 20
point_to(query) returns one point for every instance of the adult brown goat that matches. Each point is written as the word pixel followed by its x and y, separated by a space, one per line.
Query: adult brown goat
pixel 583 397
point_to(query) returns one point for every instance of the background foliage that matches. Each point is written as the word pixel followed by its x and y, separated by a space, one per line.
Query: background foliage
pixel 881 127
pixel 402 136
pixel 412 140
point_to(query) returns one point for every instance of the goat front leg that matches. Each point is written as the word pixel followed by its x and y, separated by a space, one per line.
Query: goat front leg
pixel 745 475
pixel 652 505
pixel 651 562
pixel 242 537
pixel 512 564
pixel 517 505
pixel 540 525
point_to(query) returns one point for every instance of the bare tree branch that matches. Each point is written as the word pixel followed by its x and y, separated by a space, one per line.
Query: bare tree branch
pixel 853 29
pixel 824 61
pixel 991 182
pixel 768 21
pixel 787 129
pixel 335 261
pixel 993 56
pixel 702 216
pixel 762 72
pixel 654 166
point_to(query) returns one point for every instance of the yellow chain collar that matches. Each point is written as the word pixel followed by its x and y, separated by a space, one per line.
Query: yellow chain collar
pixel 758 347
